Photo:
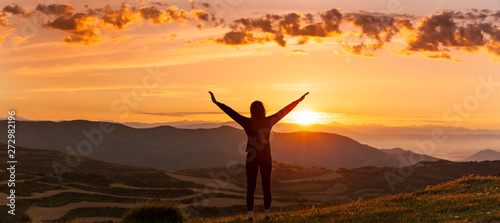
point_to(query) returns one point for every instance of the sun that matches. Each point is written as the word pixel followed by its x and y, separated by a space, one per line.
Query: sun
pixel 304 117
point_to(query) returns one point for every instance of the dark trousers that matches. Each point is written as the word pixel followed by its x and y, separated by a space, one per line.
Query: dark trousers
pixel 265 164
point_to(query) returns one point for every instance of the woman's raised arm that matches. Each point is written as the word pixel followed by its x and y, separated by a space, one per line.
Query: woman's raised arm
pixel 229 111
pixel 283 112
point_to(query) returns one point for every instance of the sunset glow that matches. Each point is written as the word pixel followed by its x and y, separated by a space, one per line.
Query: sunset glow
pixel 139 61
pixel 304 117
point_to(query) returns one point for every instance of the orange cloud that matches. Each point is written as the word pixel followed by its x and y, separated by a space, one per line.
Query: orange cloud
pixel 3 20
pixel 120 18
pixel 277 27
pixel 298 52
pixel 83 28
pixel 4 32
pixel 435 34
pixel 86 27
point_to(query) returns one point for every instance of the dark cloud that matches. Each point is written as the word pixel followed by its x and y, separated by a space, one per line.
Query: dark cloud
pixel 332 19
pixel 261 24
pixel 436 35
pixel 377 27
pixel 55 9
pixel 241 38
pixel 205 4
pixel 496 15
pixel 159 3
pixel 86 27
pixel 14 9
pixel 153 15
pixel 295 24
pixel 456 30
pixel 277 27
pixel 83 28
pixel 493 45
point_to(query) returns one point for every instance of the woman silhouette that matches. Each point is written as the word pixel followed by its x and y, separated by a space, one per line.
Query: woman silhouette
pixel 258 129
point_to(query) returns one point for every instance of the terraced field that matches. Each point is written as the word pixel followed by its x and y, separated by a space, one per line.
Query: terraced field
pixel 96 191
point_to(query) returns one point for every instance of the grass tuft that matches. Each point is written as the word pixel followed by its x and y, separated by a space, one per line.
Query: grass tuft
pixel 156 212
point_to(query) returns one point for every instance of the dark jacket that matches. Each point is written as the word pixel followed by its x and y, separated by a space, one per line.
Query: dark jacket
pixel 258 131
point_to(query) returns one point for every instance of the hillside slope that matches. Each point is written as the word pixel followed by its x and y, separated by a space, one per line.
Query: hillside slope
pixel 467 199
pixel 170 148
pixel 91 190
pixel 94 189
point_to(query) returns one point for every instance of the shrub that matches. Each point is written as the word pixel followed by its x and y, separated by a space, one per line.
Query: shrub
pixel 156 212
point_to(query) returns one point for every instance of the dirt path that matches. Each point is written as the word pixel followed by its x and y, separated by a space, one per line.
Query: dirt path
pixel 203 181
pixel 37 214
pixel 132 187
pixel 75 190
pixel 330 176
pixel 52 193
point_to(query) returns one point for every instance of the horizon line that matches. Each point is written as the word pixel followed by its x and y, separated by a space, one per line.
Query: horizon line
pixel 194 122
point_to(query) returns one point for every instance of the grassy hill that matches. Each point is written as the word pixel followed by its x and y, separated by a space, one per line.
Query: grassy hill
pixel 98 191
pixel 469 198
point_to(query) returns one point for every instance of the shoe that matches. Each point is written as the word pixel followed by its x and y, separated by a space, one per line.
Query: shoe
pixel 267 218
pixel 250 219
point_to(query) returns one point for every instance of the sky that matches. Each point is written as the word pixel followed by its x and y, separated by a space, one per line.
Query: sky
pixel 386 62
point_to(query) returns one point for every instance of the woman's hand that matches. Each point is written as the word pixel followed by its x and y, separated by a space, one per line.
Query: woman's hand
pixel 213 97
pixel 303 96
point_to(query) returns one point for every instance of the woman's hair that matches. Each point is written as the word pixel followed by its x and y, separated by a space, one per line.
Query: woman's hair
pixel 257 110
pixel 258 115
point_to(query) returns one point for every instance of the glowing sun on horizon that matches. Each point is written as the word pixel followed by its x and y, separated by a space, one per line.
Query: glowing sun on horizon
pixel 304 117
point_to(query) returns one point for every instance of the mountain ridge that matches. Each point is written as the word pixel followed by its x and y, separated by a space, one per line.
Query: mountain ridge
pixel 483 155
pixel 171 148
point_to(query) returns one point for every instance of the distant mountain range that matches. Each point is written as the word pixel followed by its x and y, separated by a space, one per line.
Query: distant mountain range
pixel 460 142
pixel 409 156
pixel 484 155
pixel 170 148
